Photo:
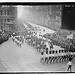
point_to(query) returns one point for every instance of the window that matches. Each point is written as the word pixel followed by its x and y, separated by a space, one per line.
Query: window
pixel 12 20
pixel 8 20
pixel 4 20
pixel 1 12
pixel 1 20
pixel 5 12
pixel 8 12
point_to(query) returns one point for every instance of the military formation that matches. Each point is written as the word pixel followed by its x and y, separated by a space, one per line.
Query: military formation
pixel 44 46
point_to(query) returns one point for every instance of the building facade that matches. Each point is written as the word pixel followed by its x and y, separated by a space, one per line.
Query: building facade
pixel 52 14
pixel 49 16
pixel 8 15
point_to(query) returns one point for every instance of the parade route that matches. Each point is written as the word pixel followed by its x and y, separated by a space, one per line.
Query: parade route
pixel 25 59
pixel 37 38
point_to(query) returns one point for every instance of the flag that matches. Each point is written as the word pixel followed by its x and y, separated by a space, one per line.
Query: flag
pixel 70 36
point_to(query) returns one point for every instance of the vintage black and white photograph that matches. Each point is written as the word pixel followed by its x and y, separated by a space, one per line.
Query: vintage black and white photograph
pixel 37 37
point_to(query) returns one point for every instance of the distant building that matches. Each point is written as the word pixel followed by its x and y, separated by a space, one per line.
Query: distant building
pixel 8 15
pixel 47 15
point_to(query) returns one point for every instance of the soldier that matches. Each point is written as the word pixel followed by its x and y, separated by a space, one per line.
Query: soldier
pixel 56 56
pixel 46 56
pixel 53 59
pixel 49 57
pixel 42 57
pixel 59 56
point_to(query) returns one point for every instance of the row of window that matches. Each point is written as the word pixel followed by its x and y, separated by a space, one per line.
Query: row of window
pixel 6 20
pixel 6 12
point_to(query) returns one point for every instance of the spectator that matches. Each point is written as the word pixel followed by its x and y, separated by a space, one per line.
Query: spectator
pixel 69 64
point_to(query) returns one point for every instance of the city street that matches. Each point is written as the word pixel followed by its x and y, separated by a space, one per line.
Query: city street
pixel 31 24
pixel 25 59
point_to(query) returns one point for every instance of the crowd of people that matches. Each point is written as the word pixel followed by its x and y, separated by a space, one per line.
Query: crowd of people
pixel 60 38
pixel 45 47
pixel 4 36
pixel 48 55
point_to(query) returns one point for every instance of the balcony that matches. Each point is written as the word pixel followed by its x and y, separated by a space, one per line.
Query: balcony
pixel 6 16
pixel 9 22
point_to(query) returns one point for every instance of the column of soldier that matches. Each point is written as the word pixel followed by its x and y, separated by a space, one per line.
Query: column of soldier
pixel 17 40
pixel 48 55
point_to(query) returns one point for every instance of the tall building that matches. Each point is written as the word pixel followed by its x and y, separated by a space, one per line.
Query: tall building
pixel 53 15
pixel 8 15
pixel 46 15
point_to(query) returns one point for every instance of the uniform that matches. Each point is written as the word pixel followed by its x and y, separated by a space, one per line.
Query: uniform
pixel 46 56
pixel 42 57
pixel 49 56
pixel 55 56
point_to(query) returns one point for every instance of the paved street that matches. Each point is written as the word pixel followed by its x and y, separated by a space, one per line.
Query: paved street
pixel 25 59
pixel 38 22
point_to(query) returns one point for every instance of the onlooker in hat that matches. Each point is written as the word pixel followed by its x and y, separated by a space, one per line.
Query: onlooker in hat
pixel 69 64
